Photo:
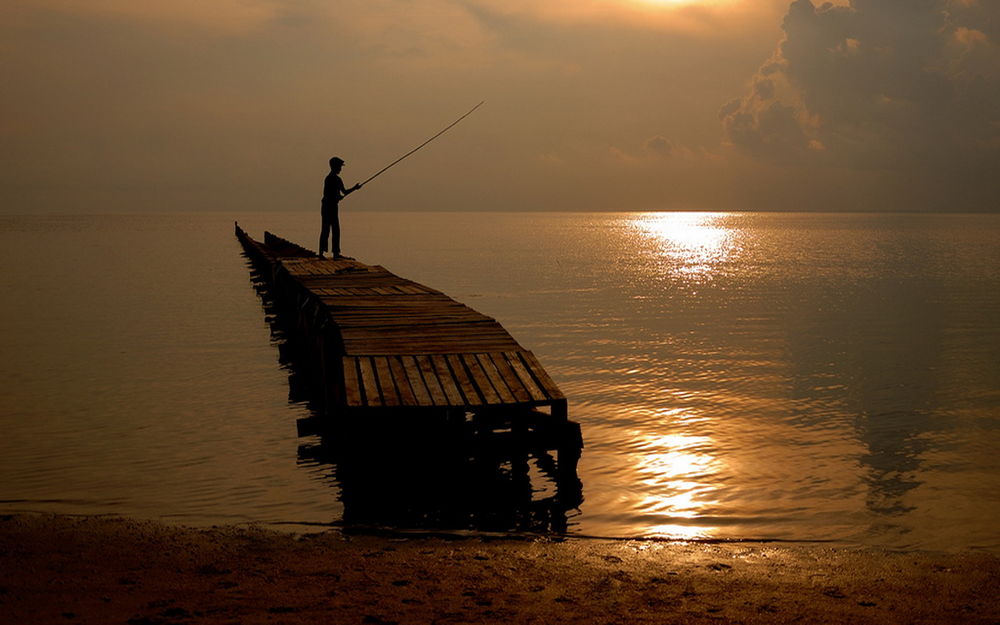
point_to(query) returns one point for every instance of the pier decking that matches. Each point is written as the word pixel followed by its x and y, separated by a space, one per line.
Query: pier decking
pixel 388 346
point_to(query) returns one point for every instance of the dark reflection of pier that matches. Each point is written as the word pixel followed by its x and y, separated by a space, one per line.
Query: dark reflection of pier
pixel 877 338
pixel 433 473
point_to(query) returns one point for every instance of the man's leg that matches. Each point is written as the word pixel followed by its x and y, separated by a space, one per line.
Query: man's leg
pixel 324 229
pixel 335 230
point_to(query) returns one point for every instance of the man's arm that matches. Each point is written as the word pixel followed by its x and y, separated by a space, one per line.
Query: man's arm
pixel 344 191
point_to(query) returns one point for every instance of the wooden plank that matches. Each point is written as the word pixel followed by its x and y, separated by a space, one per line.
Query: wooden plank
pixel 445 330
pixel 352 387
pixel 529 383
pixel 541 376
pixel 406 315
pixel 461 343
pixel 437 338
pixel 373 345
pixel 406 395
pixel 430 379
pixel 375 324
pixel 448 382
pixel 381 319
pixel 394 321
pixel 382 371
pixel 435 347
pixel 491 372
pixel 373 295
pixel 416 381
pixel 404 348
pixel 368 383
pixel 348 280
pixel 472 396
pixel 509 376
pixel 416 303
pixel 400 315
pixel 455 334
pixel 480 379
pixel 355 281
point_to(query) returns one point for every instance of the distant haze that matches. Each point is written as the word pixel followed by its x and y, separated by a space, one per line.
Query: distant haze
pixel 884 105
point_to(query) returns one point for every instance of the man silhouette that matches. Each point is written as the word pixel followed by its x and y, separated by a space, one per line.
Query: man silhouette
pixel 333 192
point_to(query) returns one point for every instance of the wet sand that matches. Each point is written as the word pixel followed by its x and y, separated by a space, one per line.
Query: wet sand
pixel 59 569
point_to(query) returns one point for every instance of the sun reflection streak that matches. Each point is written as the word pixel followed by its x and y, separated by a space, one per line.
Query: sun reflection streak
pixel 694 243
pixel 676 471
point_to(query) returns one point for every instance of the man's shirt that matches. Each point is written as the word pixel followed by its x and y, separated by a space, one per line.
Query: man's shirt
pixel 333 189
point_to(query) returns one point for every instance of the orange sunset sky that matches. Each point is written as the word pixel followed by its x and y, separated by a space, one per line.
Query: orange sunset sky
pixel 115 105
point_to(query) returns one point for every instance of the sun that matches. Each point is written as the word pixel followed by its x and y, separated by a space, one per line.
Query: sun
pixel 682 3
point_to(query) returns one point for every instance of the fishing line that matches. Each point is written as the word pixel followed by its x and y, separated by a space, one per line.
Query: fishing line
pixel 446 129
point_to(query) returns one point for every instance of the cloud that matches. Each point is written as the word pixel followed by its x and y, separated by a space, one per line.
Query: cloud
pixel 910 87
pixel 660 145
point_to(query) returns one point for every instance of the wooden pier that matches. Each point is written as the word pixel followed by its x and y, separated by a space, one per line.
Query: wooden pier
pixel 388 349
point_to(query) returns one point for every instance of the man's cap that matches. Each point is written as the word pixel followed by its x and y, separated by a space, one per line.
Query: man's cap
pixel 336 159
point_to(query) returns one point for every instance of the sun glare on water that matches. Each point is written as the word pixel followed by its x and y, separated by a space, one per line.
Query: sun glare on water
pixel 692 245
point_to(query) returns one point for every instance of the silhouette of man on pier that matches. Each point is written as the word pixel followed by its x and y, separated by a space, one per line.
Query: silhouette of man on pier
pixel 333 192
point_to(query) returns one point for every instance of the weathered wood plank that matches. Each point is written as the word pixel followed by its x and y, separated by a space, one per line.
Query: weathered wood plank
pixel 416 303
pixel 406 394
pixel 443 330
pixel 402 315
pixel 393 321
pixel 510 377
pixel 480 379
pixel 405 348
pixel 541 376
pixel 404 339
pixel 448 382
pixel 370 345
pixel 430 378
pixel 437 339
pixel 469 392
pixel 352 386
pixel 416 381
pixel 368 383
pixel 529 383
pixel 498 383
pixel 384 375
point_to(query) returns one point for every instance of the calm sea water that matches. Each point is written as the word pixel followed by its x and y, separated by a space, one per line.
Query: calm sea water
pixel 798 377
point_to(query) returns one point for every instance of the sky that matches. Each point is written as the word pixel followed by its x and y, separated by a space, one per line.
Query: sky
pixel 591 105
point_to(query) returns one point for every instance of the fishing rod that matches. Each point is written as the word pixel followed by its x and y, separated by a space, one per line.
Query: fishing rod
pixel 446 129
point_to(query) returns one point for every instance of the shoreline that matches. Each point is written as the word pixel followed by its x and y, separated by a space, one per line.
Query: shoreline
pixel 63 569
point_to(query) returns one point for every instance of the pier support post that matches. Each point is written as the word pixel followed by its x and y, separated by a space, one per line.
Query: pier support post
pixel 570 448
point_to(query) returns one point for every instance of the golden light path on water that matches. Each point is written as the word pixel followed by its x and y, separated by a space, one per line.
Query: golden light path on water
pixel 674 468
pixel 695 242
pixel 677 468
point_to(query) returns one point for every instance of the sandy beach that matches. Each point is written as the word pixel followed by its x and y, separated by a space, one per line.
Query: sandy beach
pixel 61 569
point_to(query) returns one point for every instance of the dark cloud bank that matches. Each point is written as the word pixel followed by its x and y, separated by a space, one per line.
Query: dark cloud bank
pixel 901 94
